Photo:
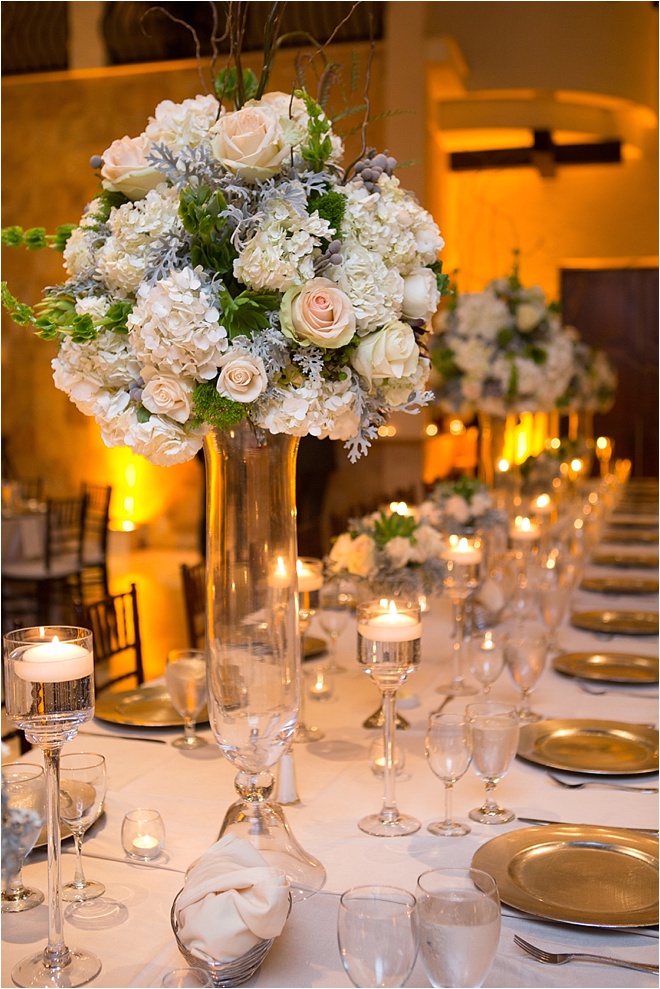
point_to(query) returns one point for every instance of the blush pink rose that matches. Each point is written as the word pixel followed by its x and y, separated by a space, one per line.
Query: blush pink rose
pixel 125 168
pixel 318 313
pixel 242 377
pixel 250 143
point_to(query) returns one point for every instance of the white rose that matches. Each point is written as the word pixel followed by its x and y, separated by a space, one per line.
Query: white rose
pixel 250 143
pixel 429 544
pixel 421 297
pixel 529 315
pixel 242 377
pixel 389 353
pixel 318 313
pixel 166 395
pixel 458 508
pixel 399 551
pixel 357 556
pixel 125 168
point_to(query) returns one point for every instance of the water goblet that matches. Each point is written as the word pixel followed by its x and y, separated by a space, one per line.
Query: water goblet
pixel 449 752
pixel 389 650
pixel 310 581
pixel 336 598
pixel 185 675
pixel 525 653
pixel 495 733
pixel 554 593
pixel 24 785
pixel 376 938
pixel 486 659
pixel 49 693
pixel 458 921
pixel 83 782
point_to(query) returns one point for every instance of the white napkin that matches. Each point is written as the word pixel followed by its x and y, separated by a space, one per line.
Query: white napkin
pixel 231 900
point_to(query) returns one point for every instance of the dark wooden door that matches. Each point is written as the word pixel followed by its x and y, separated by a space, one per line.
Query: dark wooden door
pixel 616 309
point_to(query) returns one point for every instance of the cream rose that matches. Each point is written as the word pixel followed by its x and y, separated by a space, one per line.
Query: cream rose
pixel 242 377
pixel 318 313
pixel 166 395
pixel 389 353
pixel 125 168
pixel 357 556
pixel 399 551
pixel 529 315
pixel 421 297
pixel 250 143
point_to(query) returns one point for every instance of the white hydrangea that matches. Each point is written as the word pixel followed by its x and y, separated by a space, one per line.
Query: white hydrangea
pixel 134 227
pixel 183 124
pixel 481 314
pixel 161 441
pixel 281 253
pixel 472 356
pixel 175 325
pixel 375 291
pixel 323 408
pixel 79 251
pixel 84 370
pixel 397 391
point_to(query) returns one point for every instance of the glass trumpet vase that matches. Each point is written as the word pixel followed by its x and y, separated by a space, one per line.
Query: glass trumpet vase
pixel 252 633
pixel 461 580
pixel 49 693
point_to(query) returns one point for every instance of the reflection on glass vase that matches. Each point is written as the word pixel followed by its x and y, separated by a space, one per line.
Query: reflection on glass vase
pixel 252 632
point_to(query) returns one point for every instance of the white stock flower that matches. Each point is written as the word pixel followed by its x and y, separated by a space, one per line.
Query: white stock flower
pixel 175 325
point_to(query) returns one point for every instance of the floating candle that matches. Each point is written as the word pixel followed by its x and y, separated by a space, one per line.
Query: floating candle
pixel 542 505
pixel 524 529
pixel 144 844
pixel 463 550
pixel 53 662
pixel 280 576
pixel 309 578
pixel 392 626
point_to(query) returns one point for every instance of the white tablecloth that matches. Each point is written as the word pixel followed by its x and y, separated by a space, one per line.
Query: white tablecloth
pixel 129 928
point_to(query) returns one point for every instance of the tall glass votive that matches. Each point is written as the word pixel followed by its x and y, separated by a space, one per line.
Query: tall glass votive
pixel 463 559
pixel 389 650
pixel 309 572
pixel 49 693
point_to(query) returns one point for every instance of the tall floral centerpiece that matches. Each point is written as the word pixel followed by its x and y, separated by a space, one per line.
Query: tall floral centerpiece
pixel 501 354
pixel 592 389
pixel 233 286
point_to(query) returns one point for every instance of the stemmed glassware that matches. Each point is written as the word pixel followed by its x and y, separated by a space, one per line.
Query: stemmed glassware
pixel 310 582
pixel 83 783
pixel 49 685
pixel 185 676
pixel 377 941
pixel 554 590
pixel 24 784
pixel 458 920
pixel 525 654
pixel 495 733
pixel 389 650
pixel 449 752
pixel 463 560
pixel 337 597
pixel 486 659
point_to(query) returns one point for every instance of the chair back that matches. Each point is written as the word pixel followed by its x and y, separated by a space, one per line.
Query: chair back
pixel 194 595
pixel 115 625
pixel 97 516
pixel 64 530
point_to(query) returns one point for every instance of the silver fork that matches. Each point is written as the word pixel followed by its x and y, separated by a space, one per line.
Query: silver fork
pixel 610 786
pixel 560 959
pixel 592 689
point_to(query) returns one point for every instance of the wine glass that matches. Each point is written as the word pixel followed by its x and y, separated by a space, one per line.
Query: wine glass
pixel 49 683
pixel 449 752
pixel 554 590
pixel 495 732
pixel 389 650
pixel 336 598
pixel 463 560
pixel 24 785
pixel 458 920
pixel 376 938
pixel 83 782
pixel 310 581
pixel 486 659
pixel 525 653
pixel 185 675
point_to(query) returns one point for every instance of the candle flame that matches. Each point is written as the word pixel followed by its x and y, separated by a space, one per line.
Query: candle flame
pixel 392 609
pixel 523 524
pixel 543 501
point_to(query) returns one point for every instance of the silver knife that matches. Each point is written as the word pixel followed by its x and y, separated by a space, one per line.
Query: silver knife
pixel 541 820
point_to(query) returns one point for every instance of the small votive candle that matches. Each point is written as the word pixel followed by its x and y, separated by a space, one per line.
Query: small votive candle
pixel 524 530
pixel 142 834
pixel 463 550
pixel 320 688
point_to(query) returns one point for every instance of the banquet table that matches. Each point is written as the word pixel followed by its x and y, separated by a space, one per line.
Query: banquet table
pixel 129 927
pixel 23 534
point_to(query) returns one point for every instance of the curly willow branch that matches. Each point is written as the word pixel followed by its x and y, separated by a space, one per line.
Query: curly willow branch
pixel 188 27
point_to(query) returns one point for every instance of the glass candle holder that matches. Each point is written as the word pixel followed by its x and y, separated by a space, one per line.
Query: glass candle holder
pixel 142 834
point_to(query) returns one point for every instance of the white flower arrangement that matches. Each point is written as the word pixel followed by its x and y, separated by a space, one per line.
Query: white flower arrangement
pixel 502 351
pixel 460 506
pixel 229 269
pixel 396 551
pixel 594 382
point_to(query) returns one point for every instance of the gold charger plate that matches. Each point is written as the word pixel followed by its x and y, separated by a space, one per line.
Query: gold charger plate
pixel 619 622
pixel 314 647
pixel 620 585
pixel 576 874
pixel 625 560
pixel 614 667
pixel 146 707
pixel 610 748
